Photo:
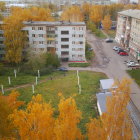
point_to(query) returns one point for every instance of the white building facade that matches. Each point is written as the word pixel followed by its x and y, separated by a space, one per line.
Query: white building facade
pixel 65 38
pixel 128 31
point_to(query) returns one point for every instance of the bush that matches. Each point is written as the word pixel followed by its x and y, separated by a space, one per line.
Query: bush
pixel 79 64
pixel 44 62
pixel 89 53
pixel 52 60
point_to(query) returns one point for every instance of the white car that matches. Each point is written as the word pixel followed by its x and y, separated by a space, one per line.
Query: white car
pixel 116 48
pixel 132 64
pixel 129 61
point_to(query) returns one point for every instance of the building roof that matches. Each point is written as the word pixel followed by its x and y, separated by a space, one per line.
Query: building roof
pixel 131 13
pixel 107 84
pixel 102 99
pixel 58 23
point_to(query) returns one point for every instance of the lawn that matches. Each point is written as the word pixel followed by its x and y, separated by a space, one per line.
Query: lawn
pixel 67 85
pixel 135 74
pixel 21 78
pixel 79 64
pixel 111 33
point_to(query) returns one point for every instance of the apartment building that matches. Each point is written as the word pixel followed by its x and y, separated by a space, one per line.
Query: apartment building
pixel 128 31
pixel 102 2
pixel 65 38
pixel 124 1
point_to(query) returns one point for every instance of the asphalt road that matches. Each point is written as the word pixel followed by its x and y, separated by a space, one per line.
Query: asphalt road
pixel 109 62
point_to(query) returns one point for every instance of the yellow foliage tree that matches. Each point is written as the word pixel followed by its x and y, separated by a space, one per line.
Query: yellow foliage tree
pixel 41 125
pixel 96 14
pixel 15 38
pixel 67 121
pixel 7 106
pixel 73 14
pixel 36 122
pixel 115 124
pixel 107 22
pixel 86 7
pixel 2 6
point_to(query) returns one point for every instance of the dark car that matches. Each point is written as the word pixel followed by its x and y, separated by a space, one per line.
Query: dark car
pixel 123 53
pixel 120 50
pixel 90 49
pixel 109 40
pixel 62 69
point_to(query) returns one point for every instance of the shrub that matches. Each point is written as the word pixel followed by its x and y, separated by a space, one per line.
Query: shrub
pixel 79 64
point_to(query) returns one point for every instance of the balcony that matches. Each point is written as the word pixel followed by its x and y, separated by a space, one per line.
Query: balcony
pixel 51 38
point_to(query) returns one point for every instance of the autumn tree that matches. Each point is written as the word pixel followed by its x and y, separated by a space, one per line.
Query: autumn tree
pixel 96 14
pixel 15 37
pixel 41 124
pixel 38 119
pixel 107 22
pixel 2 6
pixel 115 124
pixel 73 14
pixel 66 127
pixel 86 7
pixel 7 106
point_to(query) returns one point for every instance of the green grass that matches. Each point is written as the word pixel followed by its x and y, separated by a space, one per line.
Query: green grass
pixel 22 79
pixel 111 33
pixel 135 74
pixel 99 34
pixel 86 101
pixel 79 64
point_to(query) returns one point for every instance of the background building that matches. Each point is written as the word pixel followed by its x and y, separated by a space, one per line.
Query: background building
pixel 124 1
pixel 128 31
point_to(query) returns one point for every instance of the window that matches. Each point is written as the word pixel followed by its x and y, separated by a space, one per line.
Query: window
pixel 73 42
pixel 64 46
pixel 40 42
pixel 80 55
pixel 49 42
pixel 1 48
pixel 1 42
pixel 40 35
pixel 64 39
pixel 73 35
pixel 73 49
pixel 34 42
pixel 64 32
pixel 1 35
pixel 40 28
pixel 33 35
pixel 73 55
pixel 80 35
pixel 80 42
pixel 64 53
pixel 33 28
pixel 41 49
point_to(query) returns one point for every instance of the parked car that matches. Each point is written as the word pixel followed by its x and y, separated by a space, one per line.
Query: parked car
pixel 62 69
pixel 109 40
pixel 90 49
pixel 123 53
pixel 132 64
pixel 120 50
pixel 129 61
pixel 115 48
